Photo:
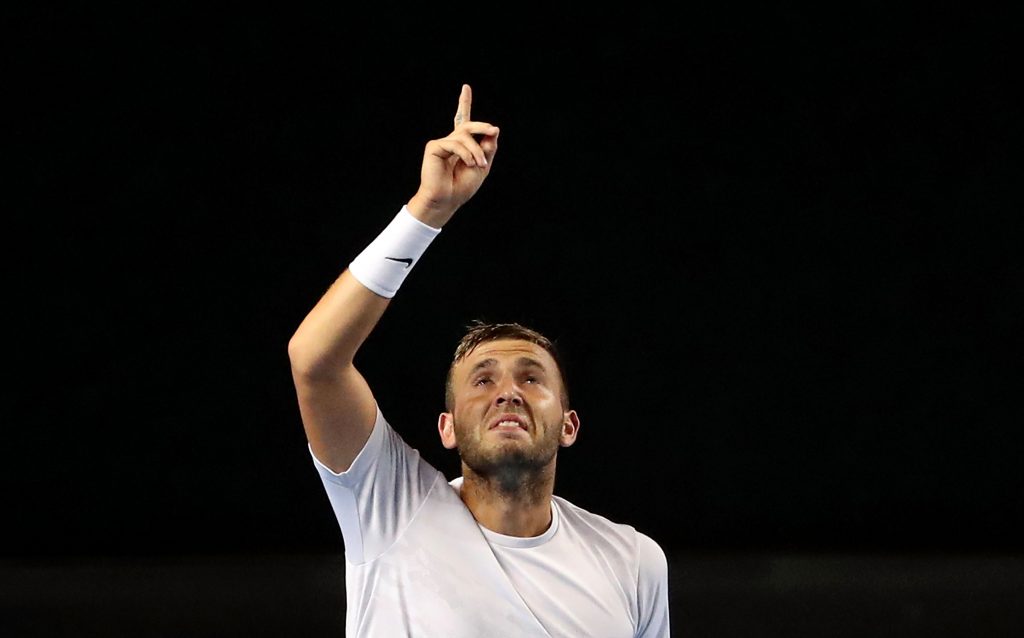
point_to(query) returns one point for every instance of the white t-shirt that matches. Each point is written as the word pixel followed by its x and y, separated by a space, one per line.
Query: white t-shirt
pixel 418 564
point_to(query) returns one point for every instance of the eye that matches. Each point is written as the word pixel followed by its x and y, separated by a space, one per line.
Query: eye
pixel 482 381
pixel 531 379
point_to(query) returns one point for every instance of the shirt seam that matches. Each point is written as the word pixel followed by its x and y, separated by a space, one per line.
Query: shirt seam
pixel 400 534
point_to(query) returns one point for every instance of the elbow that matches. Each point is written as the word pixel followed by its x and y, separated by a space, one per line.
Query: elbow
pixel 295 349
pixel 311 364
pixel 301 357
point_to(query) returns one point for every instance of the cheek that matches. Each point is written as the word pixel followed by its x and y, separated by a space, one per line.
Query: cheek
pixel 469 411
pixel 545 396
pixel 475 400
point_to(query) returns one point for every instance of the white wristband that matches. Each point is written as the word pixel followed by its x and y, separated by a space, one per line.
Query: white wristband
pixel 385 263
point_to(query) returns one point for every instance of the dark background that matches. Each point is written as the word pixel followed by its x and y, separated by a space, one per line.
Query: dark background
pixel 775 247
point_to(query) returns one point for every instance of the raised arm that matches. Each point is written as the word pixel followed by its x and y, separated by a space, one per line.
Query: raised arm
pixel 338 408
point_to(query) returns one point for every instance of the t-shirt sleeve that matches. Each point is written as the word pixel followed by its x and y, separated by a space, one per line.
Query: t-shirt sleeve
pixel 652 589
pixel 377 497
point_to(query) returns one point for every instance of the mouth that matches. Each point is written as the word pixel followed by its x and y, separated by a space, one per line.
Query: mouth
pixel 508 422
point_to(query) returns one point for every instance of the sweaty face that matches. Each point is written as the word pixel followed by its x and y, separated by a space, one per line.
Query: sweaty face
pixel 508 415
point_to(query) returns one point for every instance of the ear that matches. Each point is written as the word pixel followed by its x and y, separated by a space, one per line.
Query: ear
pixel 446 428
pixel 570 428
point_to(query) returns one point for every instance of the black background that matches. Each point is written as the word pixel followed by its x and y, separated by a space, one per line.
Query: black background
pixel 775 247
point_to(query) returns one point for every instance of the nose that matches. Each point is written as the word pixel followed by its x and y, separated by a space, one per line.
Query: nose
pixel 509 394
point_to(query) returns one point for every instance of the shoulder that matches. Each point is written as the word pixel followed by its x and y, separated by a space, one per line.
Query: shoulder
pixel 640 559
pixel 647 551
pixel 595 526
pixel 652 560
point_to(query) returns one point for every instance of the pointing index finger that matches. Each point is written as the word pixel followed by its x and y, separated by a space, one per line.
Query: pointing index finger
pixel 465 105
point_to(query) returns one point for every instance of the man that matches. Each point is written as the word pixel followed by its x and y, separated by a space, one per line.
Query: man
pixel 494 552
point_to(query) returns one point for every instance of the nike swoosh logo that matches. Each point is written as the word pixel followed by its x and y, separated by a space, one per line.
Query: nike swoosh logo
pixel 405 260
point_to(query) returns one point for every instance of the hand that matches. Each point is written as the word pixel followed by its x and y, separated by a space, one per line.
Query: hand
pixel 454 167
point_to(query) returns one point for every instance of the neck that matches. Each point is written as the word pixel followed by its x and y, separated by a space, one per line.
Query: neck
pixel 511 504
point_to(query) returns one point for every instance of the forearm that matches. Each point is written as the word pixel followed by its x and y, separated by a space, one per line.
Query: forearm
pixel 334 330
pixel 329 336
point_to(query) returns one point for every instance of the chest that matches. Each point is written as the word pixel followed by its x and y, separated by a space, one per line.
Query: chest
pixel 443 578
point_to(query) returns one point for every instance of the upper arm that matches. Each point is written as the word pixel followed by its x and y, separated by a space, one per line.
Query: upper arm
pixel 652 589
pixel 338 412
pixel 337 407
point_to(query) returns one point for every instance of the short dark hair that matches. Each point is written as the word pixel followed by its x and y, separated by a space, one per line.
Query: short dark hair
pixel 479 332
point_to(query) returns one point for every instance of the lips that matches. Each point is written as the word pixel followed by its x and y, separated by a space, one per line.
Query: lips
pixel 508 420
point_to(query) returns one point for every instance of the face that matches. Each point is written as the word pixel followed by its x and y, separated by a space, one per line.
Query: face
pixel 508 412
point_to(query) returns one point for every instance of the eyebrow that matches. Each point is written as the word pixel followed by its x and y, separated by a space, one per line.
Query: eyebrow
pixel 521 362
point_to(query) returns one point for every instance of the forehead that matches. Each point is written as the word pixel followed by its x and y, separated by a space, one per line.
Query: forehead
pixel 507 352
